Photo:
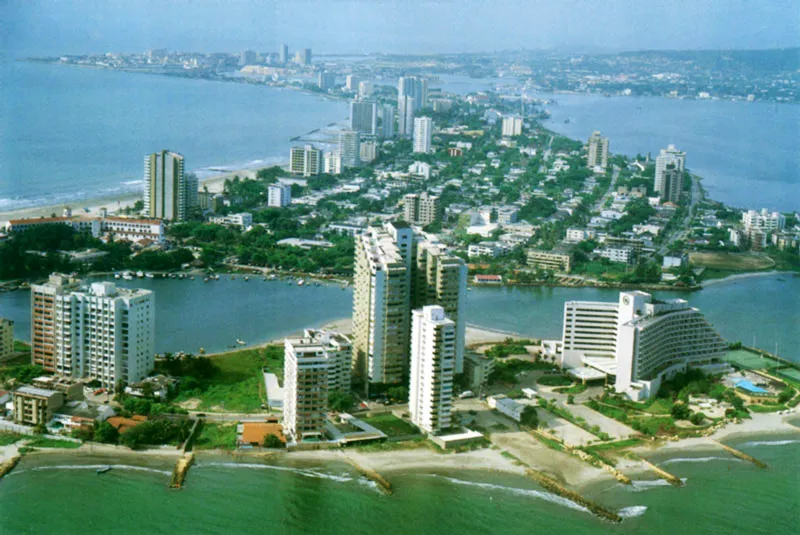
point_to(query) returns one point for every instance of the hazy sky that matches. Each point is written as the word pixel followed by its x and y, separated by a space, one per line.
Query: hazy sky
pixel 75 26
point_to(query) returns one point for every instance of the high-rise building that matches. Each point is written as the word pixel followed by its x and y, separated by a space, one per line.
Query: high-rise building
pixel 305 391
pixel 763 221
pixel 365 90
pixel 381 304
pixel 364 117
pixel 168 192
pixel 303 57
pixel 306 161
pixel 283 54
pixel 405 116
pixel 332 163
pixel 326 80
pixel 414 87
pixel 667 156
pixel 348 148
pixel 351 83
pixel 6 338
pixel 43 319
pixel 279 195
pixel 423 129
pixel 441 279
pixel 639 342
pixel 671 184
pixel 512 126
pixel 393 273
pixel 598 151
pixel 367 151
pixel 387 118
pixel 335 347
pixel 247 57
pixel 430 399
pixel 420 208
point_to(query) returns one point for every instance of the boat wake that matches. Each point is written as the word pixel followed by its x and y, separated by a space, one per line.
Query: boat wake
pixel 97 467
pixel 342 478
pixel 700 460
pixel 633 511
pixel 770 443
pixel 542 495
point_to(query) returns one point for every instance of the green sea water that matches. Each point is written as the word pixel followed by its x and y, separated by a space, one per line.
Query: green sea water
pixel 63 494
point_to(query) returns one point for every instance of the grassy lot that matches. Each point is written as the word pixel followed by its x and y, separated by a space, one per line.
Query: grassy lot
pixel 577 388
pixel 216 436
pixel 237 384
pixel 733 262
pixel 42 442
pixel 9 438
pixel 766 408
pixel 749 360
pixel 616 445
pixel 554 380
pixel 391 425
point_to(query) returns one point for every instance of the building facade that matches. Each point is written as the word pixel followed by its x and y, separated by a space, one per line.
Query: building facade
pixel 169 193
pixel 43 319
pixel 512 126
pixel 387 121
pixel 306 161
pixel 349 149
pixel 279 195
pixel 666 157
pixel 550 260
pixel 432 369
pixel 35 406
pixel 670 184
pixel 405 115
pixel 6 338
pixel 423 130
pixel 421 208
pixel 305 392
pixel 364 117
pixel 598 151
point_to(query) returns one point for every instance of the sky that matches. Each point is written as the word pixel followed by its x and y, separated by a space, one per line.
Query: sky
pixel 394 26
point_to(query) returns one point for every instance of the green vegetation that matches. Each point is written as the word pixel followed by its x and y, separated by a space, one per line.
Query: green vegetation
pixel 411 444
pixel 229 381
pixel 505 371
pixel 391 425
pixel 215 437
pixel 155 432
pixel 41 442
pixel 340 401
pixel 577 388
pixel 767 408
pixel 549 442
pixel 7 438
pixel 529 417
pixel 617 445
pixel 508 347
pixel 554 380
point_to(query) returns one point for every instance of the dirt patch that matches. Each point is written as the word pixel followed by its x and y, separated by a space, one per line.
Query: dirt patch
pixel 190 404
pixel 731 261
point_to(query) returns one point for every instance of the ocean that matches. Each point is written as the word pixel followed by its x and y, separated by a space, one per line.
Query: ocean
pixel 721 495
pixel 72 134
pixel 759 311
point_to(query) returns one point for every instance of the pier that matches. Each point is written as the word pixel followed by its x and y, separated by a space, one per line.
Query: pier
pixel 557 488
pixel 180 471
pixel 740 454
pixel 660 472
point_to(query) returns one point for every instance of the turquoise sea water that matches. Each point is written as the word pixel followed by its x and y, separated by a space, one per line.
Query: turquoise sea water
pixel 722 495
pixel 194 314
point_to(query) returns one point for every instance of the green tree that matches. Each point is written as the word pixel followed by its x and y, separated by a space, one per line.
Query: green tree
pixel 786 394
pixel 530 417
pixel 398 393
pixel 680 411
pixel 272 441
pixel 106 433
pixel 340 401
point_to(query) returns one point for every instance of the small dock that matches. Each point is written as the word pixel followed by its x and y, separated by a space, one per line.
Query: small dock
pixel 383 484
pixel 180 471
pixel 9 465
pixel 557 488
pixel 740 454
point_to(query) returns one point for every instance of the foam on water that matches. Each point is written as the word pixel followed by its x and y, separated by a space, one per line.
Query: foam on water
pixel 96 467
pixel 546 496
pixel 633 511
pixel 641 486
pixel 303 472
pixel 770 443
pixel 700 460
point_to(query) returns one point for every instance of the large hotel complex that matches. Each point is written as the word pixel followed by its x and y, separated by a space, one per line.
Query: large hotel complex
pixel 638 341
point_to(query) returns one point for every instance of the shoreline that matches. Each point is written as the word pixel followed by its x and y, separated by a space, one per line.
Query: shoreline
pixel 745 275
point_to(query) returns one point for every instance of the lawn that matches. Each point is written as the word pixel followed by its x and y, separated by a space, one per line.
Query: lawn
pixel 391 425
pixel 766 408
pixel 554 380
pixel 216 436
pixel 237 384
pixel 749 360
pixel 724 261
pixel 577 388
pixel 616 445
pixel 9 438
pixel 42 442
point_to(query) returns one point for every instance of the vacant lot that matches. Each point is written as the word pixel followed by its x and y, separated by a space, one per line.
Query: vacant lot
pixel 391 425
pixel 731 261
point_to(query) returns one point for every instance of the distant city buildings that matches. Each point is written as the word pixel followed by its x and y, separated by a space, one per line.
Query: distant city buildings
pixel 368 150
pixel 421 209
pixel 306 160
pixel 169 193
pixel 387 121
pixel 279 195
pixel 433 350
pixel 670 184
pixel 598 151
pixel 364 117
pixel 512 126
pixel 638 341
pixel 283 54
pixel 763 221
pixel 365 90
pixel 303 57
pixel 405 115
pixel 348 149
pixel 351 83
pixel 668 156
pixel 326 80
pixel 423 130
pixel 6 338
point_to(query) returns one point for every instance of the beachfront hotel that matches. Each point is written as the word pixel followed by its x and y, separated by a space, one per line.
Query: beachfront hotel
pixel 638 342
pixel 396 271
pixel 169 193
pixel 433 349
pixel 101 332
pixel 306 371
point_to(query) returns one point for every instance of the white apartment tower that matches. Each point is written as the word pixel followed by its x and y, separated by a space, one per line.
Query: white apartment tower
pixel 433 348
pixel 387 118
pixel 279 195
pixel 763 221
pixel 105 333
pixel 306 161
pixel 351 82
pixel 405 115
pixel 512 126
pixel 667 156
pixel 413 87
pixel 420 208
pixel 305 391
pixel 365 90
pixel 348 149
pixel 43 318
pixel 335 347
pixel 364 117
pixel 598 151
pixel 423 129
pixel 169 193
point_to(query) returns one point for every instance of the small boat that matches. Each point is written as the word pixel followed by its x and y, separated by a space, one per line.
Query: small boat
pixel 205 280
pixel 192 278
pixel 117 275
pixel 140 274
pixel 241 342
pixel 127 276
pixel 103 469
pixel 246 278
pixel 301 282
pixel 149 275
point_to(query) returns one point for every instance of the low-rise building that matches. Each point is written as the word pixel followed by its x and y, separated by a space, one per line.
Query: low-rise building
pixel 35 406
pixel 71 388
pixel 550 260
pixel 243 220
pixel 505 405
pixel 477 369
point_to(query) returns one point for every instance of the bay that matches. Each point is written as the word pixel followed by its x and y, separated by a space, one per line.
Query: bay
pixel 194 314
pixel 71 134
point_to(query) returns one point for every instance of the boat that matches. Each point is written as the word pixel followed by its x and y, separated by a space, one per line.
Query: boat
pixel 192 277
pixel 241 342
pixel 205 280
pixel 103 469
pixel 140 274
pixel 128 276
pixel 149 275
pixel 246 278
pixel 117 275
pixel 301 282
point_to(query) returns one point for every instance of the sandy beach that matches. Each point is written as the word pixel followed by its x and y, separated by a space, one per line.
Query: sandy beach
pixel 742 276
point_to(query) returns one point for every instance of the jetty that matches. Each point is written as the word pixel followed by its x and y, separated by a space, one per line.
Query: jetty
pixel 383 484
pixel 180 471
pixel 740 454
pixel 9 465
pixel 660 472
pixel 557 488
